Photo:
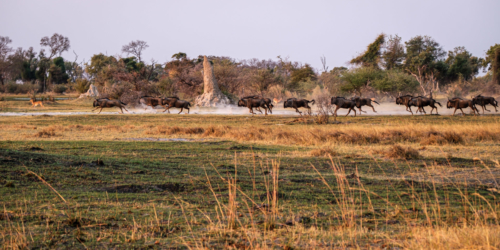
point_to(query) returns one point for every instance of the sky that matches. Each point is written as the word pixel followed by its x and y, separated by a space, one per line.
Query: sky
pixel 303 30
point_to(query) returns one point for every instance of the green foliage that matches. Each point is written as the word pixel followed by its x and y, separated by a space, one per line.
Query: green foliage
pixel 57 71
pixel 490 55
pixel 180 56
pixel 82 85
pixel 462 64
pixel 131 64
pixel 302 74
pixel 496 66
pixel 394 53
pixel 357 79
pixel 338 71
pixel 422 51
pixel 27 73
pixel 98 62
pixel 371 57
pixel 395 82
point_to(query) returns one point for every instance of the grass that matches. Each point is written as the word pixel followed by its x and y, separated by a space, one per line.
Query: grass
pixel 98 181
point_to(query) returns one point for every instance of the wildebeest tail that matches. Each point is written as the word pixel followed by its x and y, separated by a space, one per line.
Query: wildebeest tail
pixel 123 103
pixel 313 101
pixel 189 104
pixel 439 104
pixel 375 102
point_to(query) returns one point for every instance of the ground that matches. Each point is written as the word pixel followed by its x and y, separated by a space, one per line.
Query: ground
pixel 239 181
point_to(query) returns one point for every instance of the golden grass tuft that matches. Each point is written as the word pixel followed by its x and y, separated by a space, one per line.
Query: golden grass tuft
pixel 467 237
pixel 322 152
pixel 402 152
pixel 46 133
pixel 437 138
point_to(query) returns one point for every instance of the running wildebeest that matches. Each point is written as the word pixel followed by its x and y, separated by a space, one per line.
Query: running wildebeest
pixel 251 103
pixel 151 101
pixel 175 102
pixel 405 100
pixel 360 102
pixel 485 100
pixel 107 103
pixel 298 103
pixel 459 103
pixel 268 102
pixel 421 102
pixel 341 102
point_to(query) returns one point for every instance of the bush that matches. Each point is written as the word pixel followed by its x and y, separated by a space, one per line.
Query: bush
pixel 82 85
pixel 24 88
pixel 59 88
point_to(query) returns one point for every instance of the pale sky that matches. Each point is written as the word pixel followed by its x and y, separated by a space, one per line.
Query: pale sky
pixel 300 30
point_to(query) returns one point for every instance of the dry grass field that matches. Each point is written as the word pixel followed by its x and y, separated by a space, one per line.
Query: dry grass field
pixel 168 181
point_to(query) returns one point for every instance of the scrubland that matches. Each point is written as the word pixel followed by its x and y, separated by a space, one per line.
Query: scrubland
pixel 243 182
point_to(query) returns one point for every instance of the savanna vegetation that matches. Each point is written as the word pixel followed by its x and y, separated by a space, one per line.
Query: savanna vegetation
pixel 388 67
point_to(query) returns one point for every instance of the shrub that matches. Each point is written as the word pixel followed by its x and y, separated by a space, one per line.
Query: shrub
pixel 400 152
pixel 59 88
pixel 82 85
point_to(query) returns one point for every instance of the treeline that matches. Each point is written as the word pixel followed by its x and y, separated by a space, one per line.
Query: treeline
pixel 388 67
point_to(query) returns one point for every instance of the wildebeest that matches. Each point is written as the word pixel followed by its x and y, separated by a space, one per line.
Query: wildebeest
pixel 175 102
pixel 421 102
pixel 151 101
pixel 485 100
pixel 251 103
pixel 298 103
pixel 459 103
pixel 107 103
pixel 268 102
pixel 341 102
pixel 360 102
pixel 405 100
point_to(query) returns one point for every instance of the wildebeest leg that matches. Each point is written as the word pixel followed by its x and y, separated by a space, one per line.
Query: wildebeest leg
pixel 251 110
pixel 455 111
pixel 125 109
pixel 95 109
pixel 408 107
pixel 373 108
pixel 180 111
pixel 484 107
pixel 349 111
pixel 422 109
pixel 359 111
pixel 297 110
pixel 100 110
pixel 463 111
pixel 335 112
pixel 188 110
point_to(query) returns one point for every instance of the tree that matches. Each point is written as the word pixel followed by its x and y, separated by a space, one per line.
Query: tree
pixel 302 74
pixel 394 53
pixel 461 63
pixel 490 55
pixel 355 80
pixel 371 57
pixel 394 82
pixel 179 56
pixel 57 71
pixel 424 62
pixel 263 79
pixel 496 66
pixel 4 52
pixel 98 63
pixel 56 43
pixel 135 48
